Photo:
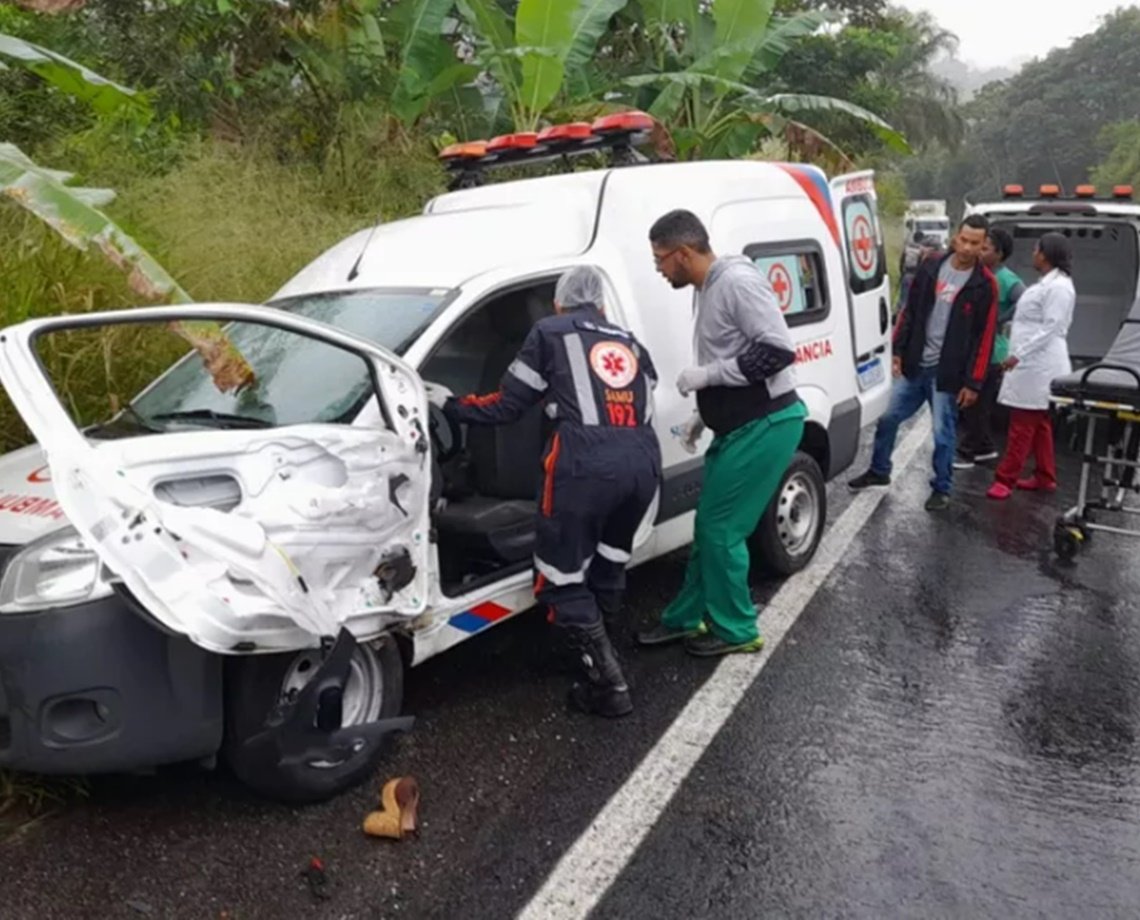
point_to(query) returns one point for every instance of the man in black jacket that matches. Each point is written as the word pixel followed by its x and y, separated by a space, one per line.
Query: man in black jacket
pixel 942 344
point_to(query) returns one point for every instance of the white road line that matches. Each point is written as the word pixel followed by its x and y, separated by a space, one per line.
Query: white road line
pixel 588 869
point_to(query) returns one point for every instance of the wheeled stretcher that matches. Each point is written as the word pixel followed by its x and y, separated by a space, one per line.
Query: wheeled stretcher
pixel 1106 396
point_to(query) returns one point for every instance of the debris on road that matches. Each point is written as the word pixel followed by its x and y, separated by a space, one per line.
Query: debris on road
pixel 318 878
pixel 399 801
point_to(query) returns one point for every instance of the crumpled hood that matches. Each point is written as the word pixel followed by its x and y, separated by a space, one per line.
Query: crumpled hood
pixel 28 508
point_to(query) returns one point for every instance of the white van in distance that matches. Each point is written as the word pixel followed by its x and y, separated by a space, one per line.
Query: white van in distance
pixel 248 574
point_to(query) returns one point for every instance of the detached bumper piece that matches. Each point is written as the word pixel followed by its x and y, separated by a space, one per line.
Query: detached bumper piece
pixel 304 746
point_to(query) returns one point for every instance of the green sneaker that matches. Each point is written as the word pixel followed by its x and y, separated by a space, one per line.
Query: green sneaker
pixel 708 645
pixel 663 635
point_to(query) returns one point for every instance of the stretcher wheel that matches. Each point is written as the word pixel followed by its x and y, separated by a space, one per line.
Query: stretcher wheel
pixel 1068 540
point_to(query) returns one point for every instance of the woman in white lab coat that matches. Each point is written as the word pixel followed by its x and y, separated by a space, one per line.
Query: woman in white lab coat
pixel 1038 353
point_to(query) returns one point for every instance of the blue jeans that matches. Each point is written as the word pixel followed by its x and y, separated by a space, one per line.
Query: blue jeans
pixel 907 397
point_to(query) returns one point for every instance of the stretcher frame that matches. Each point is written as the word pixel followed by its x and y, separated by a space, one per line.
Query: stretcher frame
pixel 1074 528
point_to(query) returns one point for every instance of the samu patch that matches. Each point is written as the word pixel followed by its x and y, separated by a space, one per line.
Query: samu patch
pixel 614 363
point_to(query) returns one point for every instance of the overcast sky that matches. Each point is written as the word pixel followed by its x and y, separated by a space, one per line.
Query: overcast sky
pixel 1000 32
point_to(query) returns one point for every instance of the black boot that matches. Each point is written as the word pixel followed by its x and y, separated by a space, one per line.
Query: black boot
pixel 604 691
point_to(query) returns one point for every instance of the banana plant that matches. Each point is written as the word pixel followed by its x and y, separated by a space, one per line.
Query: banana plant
pixel 101 94
pixel 708 87
pixel 75 214
pixel 533 57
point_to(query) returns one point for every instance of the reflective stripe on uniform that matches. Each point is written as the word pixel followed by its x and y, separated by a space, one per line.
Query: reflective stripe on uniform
pixel 612 553
pixel 583 389
pixel 527 375
pixel 558 578
pixel 551 410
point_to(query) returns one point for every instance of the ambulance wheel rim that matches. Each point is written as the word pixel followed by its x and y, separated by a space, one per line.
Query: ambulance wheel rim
pixel 797 517
pixel 363 690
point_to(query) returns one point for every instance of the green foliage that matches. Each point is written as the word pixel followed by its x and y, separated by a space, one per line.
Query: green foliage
pixel 884 69
pixel 893 195
pixel 74 214
pixel 1040 126
pixel 102 95
pixel 231 223
pixel 25 799
pixel 1121 164
pixel 707 85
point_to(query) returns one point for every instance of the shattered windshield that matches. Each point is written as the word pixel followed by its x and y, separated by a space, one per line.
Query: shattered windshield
pixel 261 376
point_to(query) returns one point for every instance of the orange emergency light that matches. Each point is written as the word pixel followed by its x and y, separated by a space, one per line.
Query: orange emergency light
pixel 1013 191
pixel 1049 191
pixel 574 131
pixel 522 141
pixel 1086 191
pixel 623 121
pixel 470 150
pixel 1122 191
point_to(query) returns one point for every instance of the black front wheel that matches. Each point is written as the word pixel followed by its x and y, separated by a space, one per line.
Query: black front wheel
pixel 1068 540
pixel 792 525
pixel 256 685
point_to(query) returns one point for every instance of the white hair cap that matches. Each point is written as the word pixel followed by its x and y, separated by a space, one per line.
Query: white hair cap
pixel 578 287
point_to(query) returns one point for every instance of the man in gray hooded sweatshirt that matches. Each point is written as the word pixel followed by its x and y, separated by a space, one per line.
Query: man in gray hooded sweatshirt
pixel 746 394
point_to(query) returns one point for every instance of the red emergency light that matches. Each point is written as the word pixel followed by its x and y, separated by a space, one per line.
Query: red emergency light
pixel 522 141
pixel 575 131
pixel 623 121
pixel 615 135
pixel 1013 191
pixel 1086 191
pixel 1049 191
pixel 1122 191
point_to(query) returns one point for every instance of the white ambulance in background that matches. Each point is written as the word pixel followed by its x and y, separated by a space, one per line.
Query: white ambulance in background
pixel 175 579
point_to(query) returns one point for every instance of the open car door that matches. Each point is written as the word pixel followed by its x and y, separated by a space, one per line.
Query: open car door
pixel 242 510
pixel 864 254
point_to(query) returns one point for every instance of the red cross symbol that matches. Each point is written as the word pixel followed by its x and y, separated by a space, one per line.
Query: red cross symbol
pixel 614 363
pixel 781 284
pixel 863 243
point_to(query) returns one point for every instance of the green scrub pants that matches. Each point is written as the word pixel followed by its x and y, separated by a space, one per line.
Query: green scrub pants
pixel 743 469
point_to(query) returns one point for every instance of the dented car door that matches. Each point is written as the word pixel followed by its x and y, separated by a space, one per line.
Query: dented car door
pixel 249 515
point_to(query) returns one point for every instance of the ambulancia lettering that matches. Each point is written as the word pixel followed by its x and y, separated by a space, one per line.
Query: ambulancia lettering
pixel 814 351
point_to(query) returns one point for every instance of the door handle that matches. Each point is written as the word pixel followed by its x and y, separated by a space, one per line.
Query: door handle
pixel 884 316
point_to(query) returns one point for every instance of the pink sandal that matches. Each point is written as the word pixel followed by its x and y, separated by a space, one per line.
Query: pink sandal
pixel 999 491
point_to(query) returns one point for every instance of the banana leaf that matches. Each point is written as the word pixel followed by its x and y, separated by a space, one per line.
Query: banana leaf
pixel 103 95
pixel 74 214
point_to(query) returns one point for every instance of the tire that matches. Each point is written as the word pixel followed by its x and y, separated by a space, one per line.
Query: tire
pixel 792 525
pixel 1067 542
pixel 256 683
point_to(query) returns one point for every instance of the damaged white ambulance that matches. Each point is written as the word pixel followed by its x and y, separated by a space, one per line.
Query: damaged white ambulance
pixel 243 560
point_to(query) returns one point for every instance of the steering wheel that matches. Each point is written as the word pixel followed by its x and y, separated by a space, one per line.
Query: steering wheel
pixel 445 434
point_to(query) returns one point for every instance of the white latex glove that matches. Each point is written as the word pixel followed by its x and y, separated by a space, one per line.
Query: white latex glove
pixel 692 378
pixel 437 394
pixel 690 432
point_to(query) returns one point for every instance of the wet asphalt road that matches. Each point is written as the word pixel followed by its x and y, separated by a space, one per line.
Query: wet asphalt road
pixel 949 730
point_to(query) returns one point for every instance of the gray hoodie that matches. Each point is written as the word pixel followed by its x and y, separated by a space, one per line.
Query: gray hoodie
pixel 736 306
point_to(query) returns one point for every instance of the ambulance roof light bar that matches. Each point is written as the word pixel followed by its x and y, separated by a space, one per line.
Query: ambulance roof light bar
pixel 616 134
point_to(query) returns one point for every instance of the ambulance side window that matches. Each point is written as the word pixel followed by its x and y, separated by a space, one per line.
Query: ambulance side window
pixel 795 271
pixel 866 252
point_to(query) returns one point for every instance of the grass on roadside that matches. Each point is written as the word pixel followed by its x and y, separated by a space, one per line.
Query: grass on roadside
pixel 231 224
pixel 26 798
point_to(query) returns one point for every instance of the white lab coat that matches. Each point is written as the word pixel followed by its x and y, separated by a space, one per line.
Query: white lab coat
pixel 1037 340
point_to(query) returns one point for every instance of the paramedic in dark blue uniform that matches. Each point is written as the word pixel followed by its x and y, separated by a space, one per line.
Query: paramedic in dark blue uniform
pixel 601 468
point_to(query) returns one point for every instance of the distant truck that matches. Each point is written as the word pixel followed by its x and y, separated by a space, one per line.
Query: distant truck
pixel 928 217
